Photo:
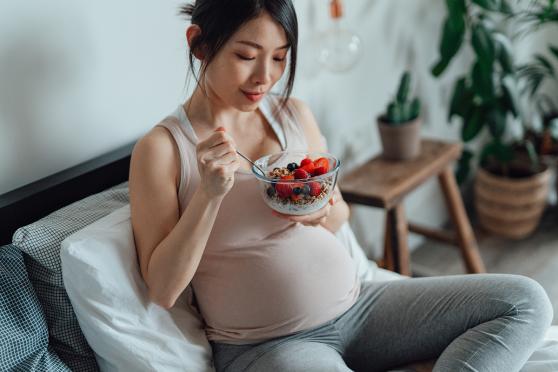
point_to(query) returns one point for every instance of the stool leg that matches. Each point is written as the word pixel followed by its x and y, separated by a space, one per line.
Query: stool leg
pixel 465 236
pixel 388 249
pixel 399 233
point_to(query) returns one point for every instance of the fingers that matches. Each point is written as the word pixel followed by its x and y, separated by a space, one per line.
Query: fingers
pixel 336 196
pixel 226 159
pixel 215 139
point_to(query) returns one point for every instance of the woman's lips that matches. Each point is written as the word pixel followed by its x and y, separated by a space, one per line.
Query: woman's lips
pixel 254 97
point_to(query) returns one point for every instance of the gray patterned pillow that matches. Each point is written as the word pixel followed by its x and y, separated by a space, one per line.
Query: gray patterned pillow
pixel 40 241
pixel 23 328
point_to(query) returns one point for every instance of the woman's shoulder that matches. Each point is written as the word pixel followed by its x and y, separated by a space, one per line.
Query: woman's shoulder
pixel 157 153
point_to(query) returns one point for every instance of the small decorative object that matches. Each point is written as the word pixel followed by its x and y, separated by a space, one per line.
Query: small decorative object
pixel 340 48
pixel 400 126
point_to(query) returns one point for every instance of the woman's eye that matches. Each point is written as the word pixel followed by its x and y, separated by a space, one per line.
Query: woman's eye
pixel 244 58
pixel 279 59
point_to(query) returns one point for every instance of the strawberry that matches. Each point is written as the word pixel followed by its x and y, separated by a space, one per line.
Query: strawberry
pixel 315 188
pixel 305 161
pixel 308 167
pixel 301 174
pixel 319 171
pixel 284 189
pixel 287 177
pixel 322 162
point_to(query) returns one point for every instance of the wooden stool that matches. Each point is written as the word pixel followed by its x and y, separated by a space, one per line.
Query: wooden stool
pixel 384 184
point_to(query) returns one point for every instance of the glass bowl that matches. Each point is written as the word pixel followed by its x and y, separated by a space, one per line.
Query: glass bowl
pixel 296 186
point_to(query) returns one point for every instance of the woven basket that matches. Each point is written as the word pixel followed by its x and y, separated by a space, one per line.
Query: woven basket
pixel 510 207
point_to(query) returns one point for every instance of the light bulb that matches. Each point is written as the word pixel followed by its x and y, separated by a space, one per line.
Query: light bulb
pixel 340 49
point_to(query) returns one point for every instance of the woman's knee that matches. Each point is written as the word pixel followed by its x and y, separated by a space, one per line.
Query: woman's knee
pixel 530 299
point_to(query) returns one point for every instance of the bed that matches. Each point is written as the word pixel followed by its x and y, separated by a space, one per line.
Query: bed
pixel 50 347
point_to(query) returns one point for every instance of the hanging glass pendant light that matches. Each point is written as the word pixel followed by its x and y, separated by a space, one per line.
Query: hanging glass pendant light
pixel 340 48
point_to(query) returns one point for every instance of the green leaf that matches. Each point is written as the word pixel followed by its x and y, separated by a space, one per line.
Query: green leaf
pixel 457 100
pixel 439 68
pixel 456 6
pixel 511 94
pixel 483 83
pixel 483 44
pixel 453 34
pixel 473 126
pixel 504 52
pixel 545 63
pixel 496 123
pixel 506 8
pixel 498 151
pixel 494 5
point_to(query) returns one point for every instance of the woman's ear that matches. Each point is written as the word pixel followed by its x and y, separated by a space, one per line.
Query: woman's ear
pixel 193 32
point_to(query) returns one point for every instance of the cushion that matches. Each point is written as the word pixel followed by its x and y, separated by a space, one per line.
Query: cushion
pixel 40 241
pixel 23 328
pixel 127 332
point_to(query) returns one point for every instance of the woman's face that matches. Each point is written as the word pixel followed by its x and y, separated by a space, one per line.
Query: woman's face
pixel 248 65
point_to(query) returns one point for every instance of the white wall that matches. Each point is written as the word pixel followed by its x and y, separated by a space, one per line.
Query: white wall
pixel 79 79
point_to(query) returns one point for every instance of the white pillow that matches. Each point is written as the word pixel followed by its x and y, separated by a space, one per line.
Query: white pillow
pixel 126 331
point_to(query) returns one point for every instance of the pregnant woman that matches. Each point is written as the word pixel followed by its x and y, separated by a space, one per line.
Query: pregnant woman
pixel 278 292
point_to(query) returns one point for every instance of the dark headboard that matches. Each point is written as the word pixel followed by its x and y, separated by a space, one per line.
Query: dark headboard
pixel 36 200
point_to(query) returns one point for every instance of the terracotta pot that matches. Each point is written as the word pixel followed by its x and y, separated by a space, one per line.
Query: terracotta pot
pixel 400 142
pixel 510 207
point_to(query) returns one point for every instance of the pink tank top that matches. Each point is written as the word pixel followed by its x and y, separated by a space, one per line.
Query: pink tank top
pixel 261 276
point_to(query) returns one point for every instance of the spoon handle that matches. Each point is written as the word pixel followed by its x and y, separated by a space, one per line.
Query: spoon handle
pixel 251 162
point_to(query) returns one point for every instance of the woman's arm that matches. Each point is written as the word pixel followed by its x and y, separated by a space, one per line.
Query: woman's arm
pixel 339 212
pixel 170 247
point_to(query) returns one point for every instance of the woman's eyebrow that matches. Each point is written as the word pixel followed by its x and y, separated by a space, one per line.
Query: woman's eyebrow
pixel 258 46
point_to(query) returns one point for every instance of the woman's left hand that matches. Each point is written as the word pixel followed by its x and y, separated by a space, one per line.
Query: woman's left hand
pixel 316 218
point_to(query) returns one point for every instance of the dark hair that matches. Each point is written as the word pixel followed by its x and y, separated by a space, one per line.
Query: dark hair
pixel 220 19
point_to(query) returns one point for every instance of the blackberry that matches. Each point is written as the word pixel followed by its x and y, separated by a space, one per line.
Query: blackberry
pixel 292 166
pixel 270 191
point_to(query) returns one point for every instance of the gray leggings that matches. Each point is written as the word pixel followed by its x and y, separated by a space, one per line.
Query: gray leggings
pixel 485 322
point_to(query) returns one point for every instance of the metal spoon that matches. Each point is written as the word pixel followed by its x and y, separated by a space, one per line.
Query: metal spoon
pixel 251 162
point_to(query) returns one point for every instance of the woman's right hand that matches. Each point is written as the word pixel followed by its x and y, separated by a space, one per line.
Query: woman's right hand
pixel 217 163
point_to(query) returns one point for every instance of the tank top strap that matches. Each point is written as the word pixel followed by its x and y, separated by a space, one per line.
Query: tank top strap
pixel 185 140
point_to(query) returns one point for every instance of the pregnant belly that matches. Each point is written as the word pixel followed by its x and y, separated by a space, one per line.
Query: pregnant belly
pixel 291 282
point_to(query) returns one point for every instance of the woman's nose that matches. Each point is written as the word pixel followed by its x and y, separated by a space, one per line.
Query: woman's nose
pixel 262 73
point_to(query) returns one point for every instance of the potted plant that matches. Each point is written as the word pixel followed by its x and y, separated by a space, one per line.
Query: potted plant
pixel 534 76
pixel 399 126
pixel 511 183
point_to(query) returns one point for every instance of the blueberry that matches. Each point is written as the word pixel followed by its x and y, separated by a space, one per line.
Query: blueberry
pixel 270 191
pixel 292 166
pixel 306 189
pixel 297 190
